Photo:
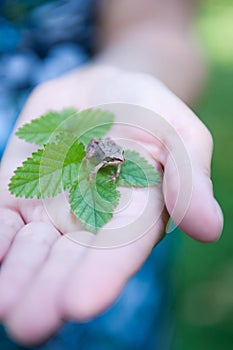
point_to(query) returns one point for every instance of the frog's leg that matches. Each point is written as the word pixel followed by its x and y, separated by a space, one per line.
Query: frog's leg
pixel 95 170
pixel 115 177
pixel 117 172
pixel 102 164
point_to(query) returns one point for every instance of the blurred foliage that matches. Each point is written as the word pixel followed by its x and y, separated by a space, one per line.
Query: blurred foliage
pixel 216 27
pixel 204 305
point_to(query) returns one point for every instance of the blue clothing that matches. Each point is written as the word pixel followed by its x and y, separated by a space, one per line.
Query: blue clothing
pixel 40 40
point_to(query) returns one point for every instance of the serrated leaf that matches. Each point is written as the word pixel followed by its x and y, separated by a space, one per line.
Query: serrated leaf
pixel 85 125
pixel 93 202
pixel 90 123
pixel 41 130
pixel 74 156
pixel 137 172
pixel 49 171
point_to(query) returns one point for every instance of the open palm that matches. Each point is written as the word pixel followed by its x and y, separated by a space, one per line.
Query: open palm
pixel 47 276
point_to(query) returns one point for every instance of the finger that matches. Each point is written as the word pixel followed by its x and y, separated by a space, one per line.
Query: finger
pixel 195 209
pixel 99 279
pixel 28 252
pixel 188 189
pixel 11 220
pixel 11 223
pixel 187 186
pixel 38 315
pixel 184 146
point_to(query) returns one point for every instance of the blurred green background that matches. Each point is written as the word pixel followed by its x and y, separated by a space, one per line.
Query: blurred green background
pixel 204 302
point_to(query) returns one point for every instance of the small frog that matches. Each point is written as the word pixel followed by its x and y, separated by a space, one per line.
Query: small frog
pixel 106 152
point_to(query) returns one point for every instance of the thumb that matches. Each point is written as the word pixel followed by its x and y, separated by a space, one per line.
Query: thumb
pixel 183 145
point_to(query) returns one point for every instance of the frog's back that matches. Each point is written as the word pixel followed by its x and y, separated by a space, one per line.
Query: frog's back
pixel 99 152
pixel 108 147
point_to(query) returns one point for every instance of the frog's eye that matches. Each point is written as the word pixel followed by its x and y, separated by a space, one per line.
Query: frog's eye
pixel 108 159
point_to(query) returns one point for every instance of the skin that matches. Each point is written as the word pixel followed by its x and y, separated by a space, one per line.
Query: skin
pixel 46 278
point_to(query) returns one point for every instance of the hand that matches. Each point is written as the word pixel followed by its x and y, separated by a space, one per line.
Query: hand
pixel 46 278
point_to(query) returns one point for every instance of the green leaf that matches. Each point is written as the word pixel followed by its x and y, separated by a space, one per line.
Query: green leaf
pixel 49 171
pixel 74 156
pixel 93 202
pixel 90 123
pixel 85 125
pixel 41 130
pixel 137 172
